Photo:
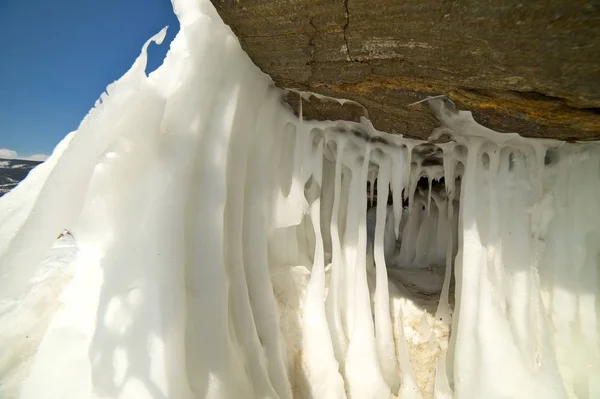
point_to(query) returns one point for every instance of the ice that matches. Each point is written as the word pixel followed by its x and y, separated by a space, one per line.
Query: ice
pixel 223 248
pixel 32 314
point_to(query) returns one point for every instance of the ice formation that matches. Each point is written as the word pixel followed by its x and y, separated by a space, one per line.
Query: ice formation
pixel 221 250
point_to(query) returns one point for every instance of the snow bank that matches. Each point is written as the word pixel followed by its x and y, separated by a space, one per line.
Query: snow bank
pixel 222 250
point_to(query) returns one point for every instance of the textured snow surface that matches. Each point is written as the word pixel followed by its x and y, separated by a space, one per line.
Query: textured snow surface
pixel 222 249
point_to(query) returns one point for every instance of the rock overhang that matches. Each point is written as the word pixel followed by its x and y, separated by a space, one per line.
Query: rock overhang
pixel 526 68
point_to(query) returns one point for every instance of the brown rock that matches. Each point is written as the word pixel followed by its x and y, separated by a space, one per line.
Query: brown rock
pixel 529 67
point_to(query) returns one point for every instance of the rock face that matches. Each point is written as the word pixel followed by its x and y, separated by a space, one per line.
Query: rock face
pixel 529 67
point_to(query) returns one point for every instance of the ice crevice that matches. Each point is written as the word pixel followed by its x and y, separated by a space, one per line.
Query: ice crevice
pixel 226 248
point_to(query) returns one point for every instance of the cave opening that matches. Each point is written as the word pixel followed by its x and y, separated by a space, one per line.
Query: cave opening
pixel 426 246
pixel 412 235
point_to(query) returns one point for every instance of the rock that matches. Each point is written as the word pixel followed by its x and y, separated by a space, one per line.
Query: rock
pixel 528 67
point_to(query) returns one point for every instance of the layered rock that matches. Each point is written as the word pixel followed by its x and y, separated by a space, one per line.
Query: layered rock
pixel 531 68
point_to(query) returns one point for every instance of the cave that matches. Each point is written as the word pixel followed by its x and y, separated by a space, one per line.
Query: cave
pixel 225 245
pixel 404 220
pixel 419 258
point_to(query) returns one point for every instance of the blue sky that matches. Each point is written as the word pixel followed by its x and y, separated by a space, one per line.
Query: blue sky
pixel 56 57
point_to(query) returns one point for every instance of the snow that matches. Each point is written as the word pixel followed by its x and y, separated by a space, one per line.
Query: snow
pixel 223 249
pixel 32 314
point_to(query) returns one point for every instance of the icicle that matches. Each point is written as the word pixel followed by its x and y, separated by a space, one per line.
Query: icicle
pixel 289 210
pixel 399 168
pixel 351 246
pixel 443 312
pixel 244 326
pixel 339 340
pixel 255 249
pixel 383 322
pixel 362 367
pixel 443 229
pixel 429 181
pixel 410 235
pixel 327 198
pixel 318 354
pixel 423 244
pixel 467 281
pixel 212 281
pixel 415 175
pixel 408 170
pixel 449 170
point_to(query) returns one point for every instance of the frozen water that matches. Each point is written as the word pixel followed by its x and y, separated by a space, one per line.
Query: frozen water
pixel 222 250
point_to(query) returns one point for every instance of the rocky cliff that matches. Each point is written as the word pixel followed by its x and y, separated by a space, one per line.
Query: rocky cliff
pixel 529 67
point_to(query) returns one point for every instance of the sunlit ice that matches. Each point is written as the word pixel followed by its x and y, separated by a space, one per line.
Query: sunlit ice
pixel 222 247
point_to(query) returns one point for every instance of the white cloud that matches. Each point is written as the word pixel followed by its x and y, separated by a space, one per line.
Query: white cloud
pixel 11 154
pixel 7 154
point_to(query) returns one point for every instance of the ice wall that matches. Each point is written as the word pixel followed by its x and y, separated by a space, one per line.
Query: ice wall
pixel 222 250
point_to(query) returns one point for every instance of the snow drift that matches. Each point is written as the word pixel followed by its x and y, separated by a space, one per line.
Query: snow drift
pixel 222 250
